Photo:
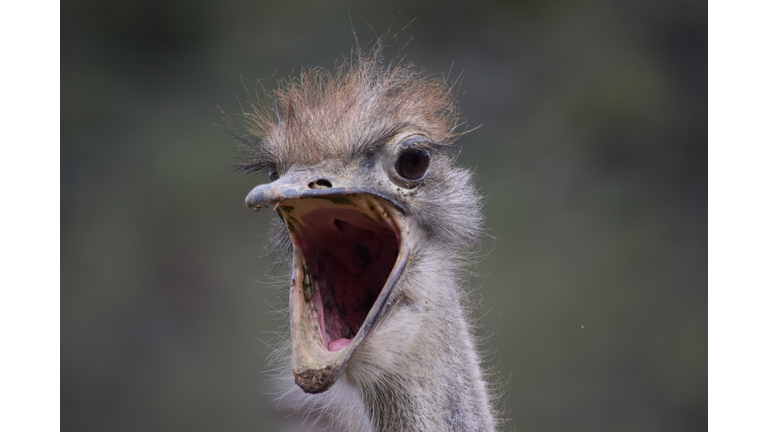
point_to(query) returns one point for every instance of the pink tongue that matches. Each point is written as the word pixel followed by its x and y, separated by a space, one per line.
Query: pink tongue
pixel 339 344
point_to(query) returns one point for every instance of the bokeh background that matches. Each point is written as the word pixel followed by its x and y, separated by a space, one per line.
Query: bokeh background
pixel 592 152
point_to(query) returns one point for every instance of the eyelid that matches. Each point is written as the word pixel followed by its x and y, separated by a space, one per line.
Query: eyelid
pixel 418 142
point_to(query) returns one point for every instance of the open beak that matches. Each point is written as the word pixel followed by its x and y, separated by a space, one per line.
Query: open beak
pixel 350 248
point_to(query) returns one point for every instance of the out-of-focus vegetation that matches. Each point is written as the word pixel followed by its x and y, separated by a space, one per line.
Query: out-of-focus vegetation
pixel 592 152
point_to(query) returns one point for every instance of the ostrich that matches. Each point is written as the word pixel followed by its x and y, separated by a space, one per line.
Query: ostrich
pixel 380 224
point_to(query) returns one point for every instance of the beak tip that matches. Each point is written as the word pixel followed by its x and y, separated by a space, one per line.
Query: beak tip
pixel 315 381
pixel 257 198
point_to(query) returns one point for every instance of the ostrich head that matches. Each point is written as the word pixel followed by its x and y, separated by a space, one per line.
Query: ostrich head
pixel 380 218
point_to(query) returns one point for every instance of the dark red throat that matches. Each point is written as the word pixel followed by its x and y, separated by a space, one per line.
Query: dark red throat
pixel 349 258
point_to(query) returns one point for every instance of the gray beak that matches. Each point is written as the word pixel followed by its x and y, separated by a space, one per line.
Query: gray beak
pixel 312 182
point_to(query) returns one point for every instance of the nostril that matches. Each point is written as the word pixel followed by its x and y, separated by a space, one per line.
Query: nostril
pixel 320 184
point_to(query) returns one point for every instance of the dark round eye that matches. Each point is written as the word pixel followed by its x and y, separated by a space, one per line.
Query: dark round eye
pixel 273 175
pixel 412 164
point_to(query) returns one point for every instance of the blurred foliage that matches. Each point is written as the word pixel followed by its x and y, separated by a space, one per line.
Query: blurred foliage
pixel 592 152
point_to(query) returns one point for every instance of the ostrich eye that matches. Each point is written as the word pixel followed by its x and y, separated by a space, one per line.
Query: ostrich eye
pixel 412 164
pixel 273 175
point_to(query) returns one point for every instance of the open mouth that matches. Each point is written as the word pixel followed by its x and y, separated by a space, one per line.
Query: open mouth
pixel 349 251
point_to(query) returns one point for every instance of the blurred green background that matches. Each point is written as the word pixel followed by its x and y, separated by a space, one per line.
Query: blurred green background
pixel 592 152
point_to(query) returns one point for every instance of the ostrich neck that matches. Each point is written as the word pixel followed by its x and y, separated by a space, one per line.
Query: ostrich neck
pixel 423 372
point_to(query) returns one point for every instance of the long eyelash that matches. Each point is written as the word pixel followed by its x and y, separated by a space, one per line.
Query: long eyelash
pixel 432 148
pixel 254 156
pixel 255 167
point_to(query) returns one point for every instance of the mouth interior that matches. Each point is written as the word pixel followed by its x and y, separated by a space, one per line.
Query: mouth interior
pixel 348 258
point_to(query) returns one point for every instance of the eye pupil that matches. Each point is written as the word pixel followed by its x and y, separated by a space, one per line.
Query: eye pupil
pixel 413 164
pixel 273 175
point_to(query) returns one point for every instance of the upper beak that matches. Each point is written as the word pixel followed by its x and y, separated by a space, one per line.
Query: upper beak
pixel 312 182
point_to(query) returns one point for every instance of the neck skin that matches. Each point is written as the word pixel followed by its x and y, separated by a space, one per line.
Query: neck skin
pixel 426 374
